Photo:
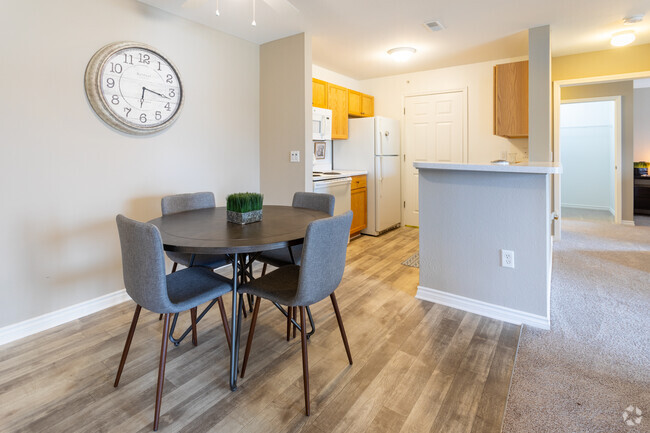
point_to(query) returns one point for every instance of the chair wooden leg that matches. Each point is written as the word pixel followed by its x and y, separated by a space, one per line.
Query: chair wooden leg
pixel 305 361
pixel 224 320
pixel 127 345
pixel 174 269
pixel 264 269
pixel 250 335
pixel 341 328
pixel 161 370
pixel 295 314
pixel 195 338
pixel 289 315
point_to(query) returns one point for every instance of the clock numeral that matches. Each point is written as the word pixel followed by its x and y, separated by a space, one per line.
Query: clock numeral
pixel 168 107
pixel 128 58
pixel 144 58
pixel 110 83
pixel 127 110
pixel 115 100
pixel 116 68
pixel 172 93
pixel 158 115
pixel 143 118
pixel 170 79
pixel 159 66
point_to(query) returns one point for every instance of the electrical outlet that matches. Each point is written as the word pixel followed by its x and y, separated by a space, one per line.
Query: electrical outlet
pixel 295 156
pixel 507 259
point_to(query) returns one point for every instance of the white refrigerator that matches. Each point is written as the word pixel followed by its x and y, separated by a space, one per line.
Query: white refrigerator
pixel 374 145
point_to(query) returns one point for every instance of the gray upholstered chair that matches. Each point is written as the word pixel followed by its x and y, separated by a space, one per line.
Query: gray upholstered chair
pixel 291 255
pixel 321 271
pixel 181 203
pixel 143 264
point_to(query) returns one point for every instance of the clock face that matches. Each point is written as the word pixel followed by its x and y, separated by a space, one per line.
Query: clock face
pixel 133 88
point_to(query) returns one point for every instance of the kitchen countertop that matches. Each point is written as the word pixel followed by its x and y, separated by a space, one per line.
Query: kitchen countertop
pixel 522 167
pixel 336 174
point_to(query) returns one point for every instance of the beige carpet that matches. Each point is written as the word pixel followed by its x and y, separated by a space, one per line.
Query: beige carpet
pixel 594 363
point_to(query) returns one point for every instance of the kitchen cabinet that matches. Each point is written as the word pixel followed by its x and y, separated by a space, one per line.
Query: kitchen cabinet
pixel 511 100
pixel 318 93
pixel 359 205
pixel 360 105
pixel 337 101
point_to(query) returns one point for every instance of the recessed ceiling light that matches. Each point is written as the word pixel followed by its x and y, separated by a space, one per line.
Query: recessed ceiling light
pixel 401 54
pixel 623 38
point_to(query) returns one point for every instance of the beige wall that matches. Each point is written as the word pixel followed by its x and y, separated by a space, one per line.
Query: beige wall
pixel 623 60
pixel 642 124
pixel 285 118
pixel 65 174
pixel 626 91
pixel 477 78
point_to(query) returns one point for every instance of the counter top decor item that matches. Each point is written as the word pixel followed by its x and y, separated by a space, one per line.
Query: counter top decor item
pixel 244 207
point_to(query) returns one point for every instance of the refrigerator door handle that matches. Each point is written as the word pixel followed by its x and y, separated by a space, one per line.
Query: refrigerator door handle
pixel 379 144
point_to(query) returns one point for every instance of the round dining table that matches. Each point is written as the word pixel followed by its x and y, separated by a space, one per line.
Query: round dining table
pixel 207 231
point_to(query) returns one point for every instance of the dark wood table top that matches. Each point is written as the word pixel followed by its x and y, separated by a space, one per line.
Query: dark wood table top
pixel 206 231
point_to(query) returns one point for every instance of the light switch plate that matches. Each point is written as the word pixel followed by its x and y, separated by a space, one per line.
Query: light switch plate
pixel 295 156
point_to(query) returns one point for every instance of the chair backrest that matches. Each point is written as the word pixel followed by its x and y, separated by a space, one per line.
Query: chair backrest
pixel 315 201
pixel 184 202
pixel 143 264
pixel 323 258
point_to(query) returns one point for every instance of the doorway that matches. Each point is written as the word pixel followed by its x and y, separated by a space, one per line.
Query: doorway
pixel 590 153
pixel 434 130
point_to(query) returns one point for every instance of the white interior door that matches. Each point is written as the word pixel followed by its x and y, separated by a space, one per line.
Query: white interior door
pixel 434 130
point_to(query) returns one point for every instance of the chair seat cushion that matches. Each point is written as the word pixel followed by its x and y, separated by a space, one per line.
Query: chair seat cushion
pixel 281 257
pixel 278 286
pixel 208 260
pixel 193 286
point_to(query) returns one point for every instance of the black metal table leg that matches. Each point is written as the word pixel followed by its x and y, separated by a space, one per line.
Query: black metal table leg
pixel 177 341
pixel 234 349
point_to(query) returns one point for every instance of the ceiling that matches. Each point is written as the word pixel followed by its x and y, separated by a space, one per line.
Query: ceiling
pixel 351 37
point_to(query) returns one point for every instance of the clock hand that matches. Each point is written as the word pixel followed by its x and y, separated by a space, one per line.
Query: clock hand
pixel 156 93
pixel 142 97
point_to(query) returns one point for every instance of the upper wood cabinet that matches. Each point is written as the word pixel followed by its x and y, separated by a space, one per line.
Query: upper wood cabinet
pixel 511 100
pixel 337 101
pixel 360 105
pixel 318 93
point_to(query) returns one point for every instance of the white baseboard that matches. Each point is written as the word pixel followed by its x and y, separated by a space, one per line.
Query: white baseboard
pixel 55 318
pixel 627 222
pixel 586 206
pixel 492 311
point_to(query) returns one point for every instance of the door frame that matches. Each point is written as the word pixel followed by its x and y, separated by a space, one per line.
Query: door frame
pixel 557 85
pixel 464 132
pixel 618 143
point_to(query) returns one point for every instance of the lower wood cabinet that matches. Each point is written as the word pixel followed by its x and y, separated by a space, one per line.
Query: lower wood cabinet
pixel 359 205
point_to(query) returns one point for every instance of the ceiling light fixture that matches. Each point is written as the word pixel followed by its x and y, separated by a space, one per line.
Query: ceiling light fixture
pixel 633 19
pixel 217 11
pixel 401 54
pixel 623 38
pixel 253 23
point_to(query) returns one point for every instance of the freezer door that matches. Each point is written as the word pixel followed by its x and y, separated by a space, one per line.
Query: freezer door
pixel 387 136
pixel 387 192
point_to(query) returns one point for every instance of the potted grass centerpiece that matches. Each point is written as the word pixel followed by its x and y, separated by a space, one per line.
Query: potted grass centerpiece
pixel 244 207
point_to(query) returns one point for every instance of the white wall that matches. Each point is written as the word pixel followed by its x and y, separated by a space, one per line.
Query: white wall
pixel 587 135
pixel 642 124
pixel 285 118
pixel 477 78
pixel 66 174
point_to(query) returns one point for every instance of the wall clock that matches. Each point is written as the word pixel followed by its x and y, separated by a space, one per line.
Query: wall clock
pixel 134 88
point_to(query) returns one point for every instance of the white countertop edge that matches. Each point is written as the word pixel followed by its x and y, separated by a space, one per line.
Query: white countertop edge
pixel 526 167
pixel 342 173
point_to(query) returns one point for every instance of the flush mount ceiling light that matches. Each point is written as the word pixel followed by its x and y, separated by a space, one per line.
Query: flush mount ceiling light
pixel 633 19
pixel 623 38
pixel 401 54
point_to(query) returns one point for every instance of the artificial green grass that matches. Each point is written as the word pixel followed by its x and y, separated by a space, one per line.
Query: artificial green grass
pixel 244 202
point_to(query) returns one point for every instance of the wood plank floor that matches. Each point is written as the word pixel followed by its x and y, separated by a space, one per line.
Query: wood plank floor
pixel 418 366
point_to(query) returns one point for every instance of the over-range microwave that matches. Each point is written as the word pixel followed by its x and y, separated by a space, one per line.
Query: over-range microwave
pixel 321 123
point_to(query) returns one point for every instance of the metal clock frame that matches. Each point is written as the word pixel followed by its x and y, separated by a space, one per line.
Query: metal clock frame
pixel 92 81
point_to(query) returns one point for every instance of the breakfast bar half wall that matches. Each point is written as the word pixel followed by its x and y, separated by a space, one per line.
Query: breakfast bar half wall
pixel 470 214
